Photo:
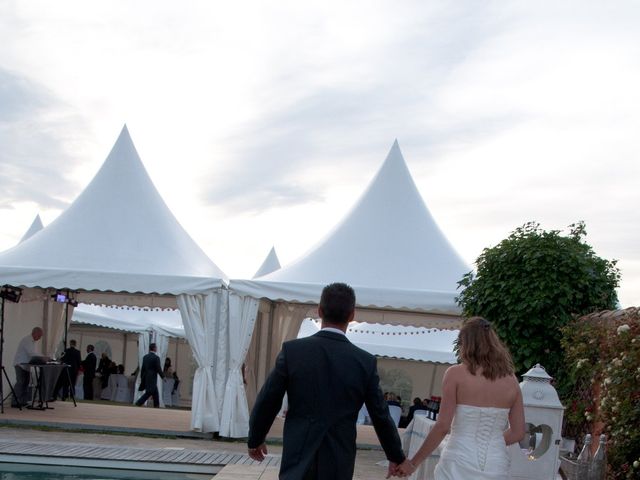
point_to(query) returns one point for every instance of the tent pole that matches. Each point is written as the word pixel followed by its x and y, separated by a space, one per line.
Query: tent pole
pixel 66 323
pixel 433 379
pixel 124 349
pixel 3 371
pixel 1 357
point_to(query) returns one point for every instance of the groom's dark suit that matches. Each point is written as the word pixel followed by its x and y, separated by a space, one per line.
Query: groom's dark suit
pixel 327 379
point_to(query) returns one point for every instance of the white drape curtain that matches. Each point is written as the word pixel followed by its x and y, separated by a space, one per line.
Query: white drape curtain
pixel 251 364
pixel 199 314
pixel 162 345
pixel 282 323
pixel 54 325
pixel 66 320
pixel 242 312
pixel 287 319
pixel 143 349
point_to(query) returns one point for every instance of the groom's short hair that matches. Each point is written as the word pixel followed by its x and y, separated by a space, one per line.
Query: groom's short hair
pixel 337 302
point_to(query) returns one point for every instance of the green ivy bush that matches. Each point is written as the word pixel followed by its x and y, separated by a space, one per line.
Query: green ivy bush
pixel 530 285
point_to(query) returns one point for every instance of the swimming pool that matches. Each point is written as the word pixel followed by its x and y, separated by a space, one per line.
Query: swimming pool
pixel 21 471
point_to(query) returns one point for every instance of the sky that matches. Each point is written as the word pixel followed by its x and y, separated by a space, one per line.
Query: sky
pixel 261 123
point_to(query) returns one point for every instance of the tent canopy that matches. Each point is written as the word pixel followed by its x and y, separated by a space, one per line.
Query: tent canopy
pixel 409 343
pixel 167 322
pixel 117 236
pixel 388 247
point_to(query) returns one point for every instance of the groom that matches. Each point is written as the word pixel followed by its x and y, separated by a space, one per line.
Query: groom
pixel 327 380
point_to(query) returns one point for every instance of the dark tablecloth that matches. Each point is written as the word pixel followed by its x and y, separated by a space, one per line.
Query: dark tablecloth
pixel 48 375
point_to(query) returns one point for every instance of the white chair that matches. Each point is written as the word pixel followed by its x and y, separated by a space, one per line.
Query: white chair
pixel 131 384
pixel 167 387
pixel 420 413
pixel 105 393
pixel 362 415
pixel 79 391
pixel 120 388
pixel 395 412
pixel 175 396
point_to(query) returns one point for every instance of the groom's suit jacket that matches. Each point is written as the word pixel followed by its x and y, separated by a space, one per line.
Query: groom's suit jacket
pixel 327 379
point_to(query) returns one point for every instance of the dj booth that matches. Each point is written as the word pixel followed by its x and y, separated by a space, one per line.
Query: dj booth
pixel 45 378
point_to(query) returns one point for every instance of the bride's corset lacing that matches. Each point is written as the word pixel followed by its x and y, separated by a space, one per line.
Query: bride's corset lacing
pixel 477 433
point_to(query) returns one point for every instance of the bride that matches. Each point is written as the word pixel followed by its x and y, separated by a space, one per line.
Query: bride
pixel 481 406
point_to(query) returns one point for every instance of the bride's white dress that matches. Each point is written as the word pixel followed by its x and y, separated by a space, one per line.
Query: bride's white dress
pixel 476 447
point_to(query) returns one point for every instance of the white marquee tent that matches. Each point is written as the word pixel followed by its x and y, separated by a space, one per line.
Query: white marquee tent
pixel 119 244
pixel 117 236
pixel 388 248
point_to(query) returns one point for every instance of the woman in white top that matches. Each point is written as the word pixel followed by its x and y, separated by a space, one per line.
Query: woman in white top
pixel 481 407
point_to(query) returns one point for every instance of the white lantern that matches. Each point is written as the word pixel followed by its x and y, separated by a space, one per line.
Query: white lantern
pixel 537 455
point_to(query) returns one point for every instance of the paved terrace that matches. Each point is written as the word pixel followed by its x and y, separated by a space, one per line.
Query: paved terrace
pixel 124 433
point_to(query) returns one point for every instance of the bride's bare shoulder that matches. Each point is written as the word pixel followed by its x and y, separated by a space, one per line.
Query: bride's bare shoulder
pixel 513 380
pixel 456 371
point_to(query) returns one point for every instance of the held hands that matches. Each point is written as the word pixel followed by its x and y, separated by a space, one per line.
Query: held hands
pixel 259 453
pixel 405 469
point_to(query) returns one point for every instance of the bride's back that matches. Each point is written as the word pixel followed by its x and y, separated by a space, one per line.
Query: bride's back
pixel 486 377
pixel 477 390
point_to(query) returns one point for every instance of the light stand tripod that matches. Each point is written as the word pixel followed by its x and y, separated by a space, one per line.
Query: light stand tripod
pixel 12 294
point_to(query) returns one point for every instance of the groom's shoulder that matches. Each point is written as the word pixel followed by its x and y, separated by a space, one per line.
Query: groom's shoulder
pixel 362 353
pixel 297 343
pixel 323 341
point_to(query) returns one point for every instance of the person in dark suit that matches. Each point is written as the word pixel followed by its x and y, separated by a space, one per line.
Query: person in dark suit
pixel 151 368
pixel 104 369
pixel 71 357
pixel 89 366
pixel 417 405
pixel 326 379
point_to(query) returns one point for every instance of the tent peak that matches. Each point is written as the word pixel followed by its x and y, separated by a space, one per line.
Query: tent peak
pixel 395 154
pixel 35 227
pixel 124 137
pixel 271 264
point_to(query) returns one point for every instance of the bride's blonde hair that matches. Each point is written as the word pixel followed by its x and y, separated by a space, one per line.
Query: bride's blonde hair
pixel 480 347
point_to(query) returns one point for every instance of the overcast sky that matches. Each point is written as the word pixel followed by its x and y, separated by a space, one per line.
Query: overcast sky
pixel 261 123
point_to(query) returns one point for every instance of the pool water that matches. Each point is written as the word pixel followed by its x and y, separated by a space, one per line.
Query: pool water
pixel 18 471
